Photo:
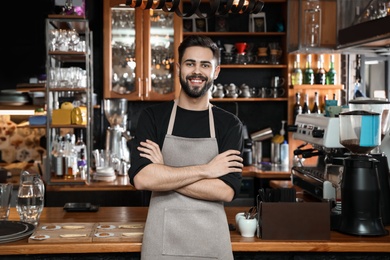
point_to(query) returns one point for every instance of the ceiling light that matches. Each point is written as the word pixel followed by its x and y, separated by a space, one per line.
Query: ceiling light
pixel 217 7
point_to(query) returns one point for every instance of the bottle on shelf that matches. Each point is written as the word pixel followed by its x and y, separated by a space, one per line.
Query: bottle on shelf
pixel 81 151
pixel 308 76
pixel 335 98
pixel 58 157
pixel 70 157
pixel 80 142
pixel 315 109
pixel 320 77
pixel 331 74
pixel 305 107
pixel 296 75
pixel 323 106
pixel 82 164
pixel 284 153
pixel 297 106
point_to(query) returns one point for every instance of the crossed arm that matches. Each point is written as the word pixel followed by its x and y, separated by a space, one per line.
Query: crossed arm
pixel 199 181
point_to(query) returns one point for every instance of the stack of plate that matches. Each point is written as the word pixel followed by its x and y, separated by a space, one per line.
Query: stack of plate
pixel 12 97
pixel 104 174
pixel 14 230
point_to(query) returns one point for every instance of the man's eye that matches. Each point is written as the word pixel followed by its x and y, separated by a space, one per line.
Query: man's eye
pixel 190 64
pixel 205 65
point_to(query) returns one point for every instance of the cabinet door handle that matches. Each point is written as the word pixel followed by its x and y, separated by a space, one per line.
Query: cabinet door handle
pixel 140 88
pixel 147 86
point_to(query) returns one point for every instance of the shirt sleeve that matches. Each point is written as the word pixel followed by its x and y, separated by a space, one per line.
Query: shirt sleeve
pixel 144 130
pixel 232 139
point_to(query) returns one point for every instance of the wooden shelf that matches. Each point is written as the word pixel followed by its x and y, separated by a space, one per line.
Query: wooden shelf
pixel 60 89
pixel 235 34
pixel 31 87
pixel 69 22
pixel 316 86
pixel 68 56
pixel 247 99
pixel 253 66
pixel 19 107
pixel 68 126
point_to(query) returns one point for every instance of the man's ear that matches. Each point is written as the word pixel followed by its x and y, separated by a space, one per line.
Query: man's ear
pixel 177 67
pixel 216 71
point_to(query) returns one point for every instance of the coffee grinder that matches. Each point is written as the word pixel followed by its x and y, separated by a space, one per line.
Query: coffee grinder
pixel 360 133
pixel 381 106
pixel 115 110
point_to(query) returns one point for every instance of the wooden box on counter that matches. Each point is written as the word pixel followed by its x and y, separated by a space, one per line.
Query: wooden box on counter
pixel 294 220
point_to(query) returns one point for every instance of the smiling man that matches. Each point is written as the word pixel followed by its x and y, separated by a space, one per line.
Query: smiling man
pixel 189 154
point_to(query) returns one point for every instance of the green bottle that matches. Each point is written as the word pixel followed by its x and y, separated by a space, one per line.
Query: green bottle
pixel 308 75
pixel 331 74
pixel 296 75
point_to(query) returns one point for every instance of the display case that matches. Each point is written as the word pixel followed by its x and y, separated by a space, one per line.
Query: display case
pixel 68 93
pixel 140 47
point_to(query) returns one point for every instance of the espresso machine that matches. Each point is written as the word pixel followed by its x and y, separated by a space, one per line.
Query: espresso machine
pixel 115 110
pixel 325 180
pixel 320 135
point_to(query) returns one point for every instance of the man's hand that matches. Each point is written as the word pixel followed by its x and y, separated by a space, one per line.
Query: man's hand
pixel 151 151
pixel 224 163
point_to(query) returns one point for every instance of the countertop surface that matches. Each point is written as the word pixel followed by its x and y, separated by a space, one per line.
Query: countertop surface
pixel 123 182
pixel 337 243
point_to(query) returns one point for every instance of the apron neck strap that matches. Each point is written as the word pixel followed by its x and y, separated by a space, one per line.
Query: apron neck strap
pixel 173 116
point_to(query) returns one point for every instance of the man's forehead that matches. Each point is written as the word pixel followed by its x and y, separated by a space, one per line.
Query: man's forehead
pixel 198 53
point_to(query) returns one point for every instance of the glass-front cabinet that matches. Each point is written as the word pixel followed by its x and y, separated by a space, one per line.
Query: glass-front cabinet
pixel 140 47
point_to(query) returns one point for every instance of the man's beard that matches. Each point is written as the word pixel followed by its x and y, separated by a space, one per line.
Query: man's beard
pixel 195 92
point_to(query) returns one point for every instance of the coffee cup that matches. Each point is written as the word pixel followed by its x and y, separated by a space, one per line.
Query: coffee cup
pixel 247 226
pixel 277 82
pixel 277 92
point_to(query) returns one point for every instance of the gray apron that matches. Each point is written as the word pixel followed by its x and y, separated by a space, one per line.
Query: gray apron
pixel 180 227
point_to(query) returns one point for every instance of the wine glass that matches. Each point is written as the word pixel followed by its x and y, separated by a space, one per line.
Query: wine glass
pixel 63 40
pixel 74 39
pixel 53 36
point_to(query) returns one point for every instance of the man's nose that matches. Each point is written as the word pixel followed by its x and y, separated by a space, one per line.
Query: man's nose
pixel 197 68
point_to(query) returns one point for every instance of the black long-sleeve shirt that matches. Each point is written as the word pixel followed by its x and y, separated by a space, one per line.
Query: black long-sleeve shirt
pixel 153 124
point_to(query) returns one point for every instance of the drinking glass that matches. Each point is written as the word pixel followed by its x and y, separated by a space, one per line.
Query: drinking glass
pixel 5 200
pixel 30 201
pixel 74 39
pixel 53 36
pixel 63 40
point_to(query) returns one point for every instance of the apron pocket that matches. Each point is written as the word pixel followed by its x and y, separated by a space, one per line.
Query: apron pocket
pixel 190 232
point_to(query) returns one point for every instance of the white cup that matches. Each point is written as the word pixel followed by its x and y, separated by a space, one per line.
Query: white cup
pixel 247 226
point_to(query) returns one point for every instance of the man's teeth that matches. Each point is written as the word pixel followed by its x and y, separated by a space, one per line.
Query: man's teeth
pixel 196 80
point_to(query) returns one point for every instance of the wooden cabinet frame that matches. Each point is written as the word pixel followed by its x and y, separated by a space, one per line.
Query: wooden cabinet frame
pixel 143 88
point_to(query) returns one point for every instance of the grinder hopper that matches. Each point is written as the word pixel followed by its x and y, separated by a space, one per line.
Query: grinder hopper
pixel 115 111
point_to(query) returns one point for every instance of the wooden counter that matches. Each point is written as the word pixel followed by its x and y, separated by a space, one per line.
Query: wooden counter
pixel 338 242
pixel 274 172
pixel 123 182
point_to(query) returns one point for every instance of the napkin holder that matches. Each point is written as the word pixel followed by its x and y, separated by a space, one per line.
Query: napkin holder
pixel 294 220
